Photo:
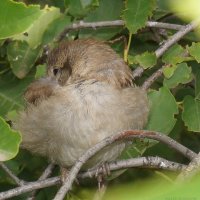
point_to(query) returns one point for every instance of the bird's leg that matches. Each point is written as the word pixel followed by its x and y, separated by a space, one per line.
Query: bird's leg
pixel 101 182
pixel 63 174
pixel 102 172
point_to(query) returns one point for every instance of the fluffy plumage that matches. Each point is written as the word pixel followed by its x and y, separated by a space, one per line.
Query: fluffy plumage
pixel 86 96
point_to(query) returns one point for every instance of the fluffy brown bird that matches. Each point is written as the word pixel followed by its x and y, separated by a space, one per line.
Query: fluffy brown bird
pixel 86 96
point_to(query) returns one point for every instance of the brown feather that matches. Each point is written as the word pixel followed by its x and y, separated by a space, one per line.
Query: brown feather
pixel 90 59
pixel 86 96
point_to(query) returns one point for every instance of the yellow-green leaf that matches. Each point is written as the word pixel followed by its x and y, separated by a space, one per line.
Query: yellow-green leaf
pixel 34 34
pixel 146 60
pixel 9 141
pixel 40 72
pixel 169 71
pixel 16 17
pixel 182 74
pixel 194 51
pixel 176 54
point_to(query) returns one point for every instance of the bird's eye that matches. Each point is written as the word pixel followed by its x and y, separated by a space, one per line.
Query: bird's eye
pixel 55 71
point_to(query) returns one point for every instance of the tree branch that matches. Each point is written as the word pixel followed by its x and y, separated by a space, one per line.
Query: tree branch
pixel 176 37
pixel 138 72
pixel 182 31
pixel 142 162
pixel 160 51
pixel 12 175
pixel 115 23
pixel 191 170
pixel 109 140
pixel 149 81
pixel 29 187
pixel 171 41
pixel 131 134
pixel 47 172
pixel 163 25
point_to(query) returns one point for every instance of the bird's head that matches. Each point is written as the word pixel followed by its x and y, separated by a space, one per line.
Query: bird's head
pixel 80 60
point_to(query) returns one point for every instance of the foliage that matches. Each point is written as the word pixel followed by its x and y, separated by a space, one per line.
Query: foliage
pixel 9 141
pixel 188 10
pixel 136 13
pixel 20 19
pixel 150 189
pixel 27 29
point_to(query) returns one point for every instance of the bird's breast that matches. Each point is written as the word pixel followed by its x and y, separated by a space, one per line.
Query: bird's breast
pixel 80 115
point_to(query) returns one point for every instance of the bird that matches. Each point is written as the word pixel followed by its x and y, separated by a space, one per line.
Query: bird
pixel 86 95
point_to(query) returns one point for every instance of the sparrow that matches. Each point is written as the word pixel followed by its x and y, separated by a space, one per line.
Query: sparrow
pixel 87 95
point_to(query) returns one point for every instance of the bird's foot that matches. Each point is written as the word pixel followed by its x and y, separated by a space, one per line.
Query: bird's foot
pixel 102 172
pixel 64 172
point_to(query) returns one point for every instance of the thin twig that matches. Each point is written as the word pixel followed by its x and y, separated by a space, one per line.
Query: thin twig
pixel 171 41
pixel 29 187
pixel 115 23
pixel 118 39
pixel 137 72
pixel 191 170
pixel 75 169
pixel 163 25
pixel 47 172
pixel 109 140
pixel 182 31
pixel 176 37
pixel 18 181
pixel 149 81
pixel 143 162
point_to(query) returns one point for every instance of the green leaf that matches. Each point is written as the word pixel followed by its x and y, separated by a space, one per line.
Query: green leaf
pixel 16 17
pixel 55 28
pixel 194 51
pixel 163 5
pixel 9 141
pixel 163 107
pixel 191 113
pixel 21 57
pixel 79 8
pixel 40 72
pixel 159 187
pixel 162 9
pixel 197 85
pixel 12 115
pixel 146 59
pixel 11 91
pixel 169 71
pixel 56 3
pixel 182 74
pixel 107 10
pixel 175 54
pixel 86 3
pixel 137 13
pixel 34 34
